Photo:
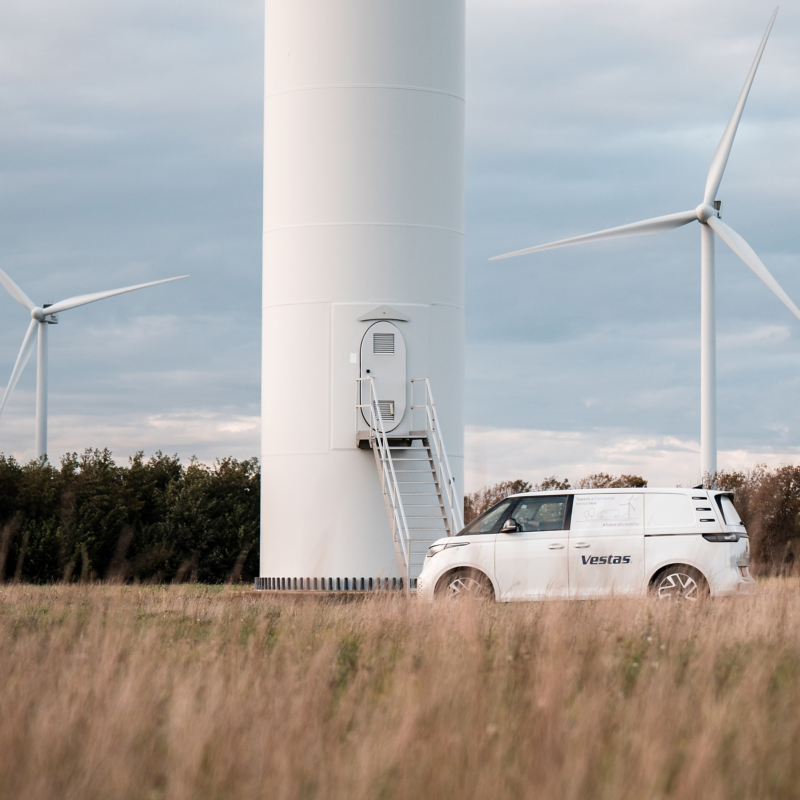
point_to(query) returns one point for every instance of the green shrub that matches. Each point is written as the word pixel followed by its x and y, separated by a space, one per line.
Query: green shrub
pixel 152 520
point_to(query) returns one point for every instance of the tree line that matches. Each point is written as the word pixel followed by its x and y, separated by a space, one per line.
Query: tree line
pixel 149 520
pixel 158 520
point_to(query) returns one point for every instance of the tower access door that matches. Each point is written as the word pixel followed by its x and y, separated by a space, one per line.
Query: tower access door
pixel 383 358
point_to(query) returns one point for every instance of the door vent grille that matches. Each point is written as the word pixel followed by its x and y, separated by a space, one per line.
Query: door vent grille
pixel 383 343
pixel 387 410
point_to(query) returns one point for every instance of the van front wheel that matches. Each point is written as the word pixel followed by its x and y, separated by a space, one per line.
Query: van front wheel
pixel 465 583
pixel 680 583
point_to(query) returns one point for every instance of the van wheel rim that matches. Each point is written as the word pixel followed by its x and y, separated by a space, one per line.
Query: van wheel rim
pixel 464 586
pixel 679 587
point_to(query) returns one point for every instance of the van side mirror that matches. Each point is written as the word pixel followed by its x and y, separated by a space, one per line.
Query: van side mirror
pixel 510 526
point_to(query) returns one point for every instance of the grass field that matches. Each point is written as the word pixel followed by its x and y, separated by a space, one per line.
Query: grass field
pixel 192 692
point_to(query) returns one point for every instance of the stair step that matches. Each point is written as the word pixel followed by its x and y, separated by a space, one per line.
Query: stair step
pixel 415 471
pixel 423 473
pixel 425 530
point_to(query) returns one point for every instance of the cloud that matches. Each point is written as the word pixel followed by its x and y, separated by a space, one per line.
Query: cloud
pixel 131 151
pixel 496 454
pixel 207 435
pixel 765 335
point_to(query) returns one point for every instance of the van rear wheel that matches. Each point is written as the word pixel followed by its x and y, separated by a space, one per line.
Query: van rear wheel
pixel 465 583
pixel 680 583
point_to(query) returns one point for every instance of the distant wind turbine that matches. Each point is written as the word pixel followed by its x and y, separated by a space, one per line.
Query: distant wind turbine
pixel 41 317
pixel 708 215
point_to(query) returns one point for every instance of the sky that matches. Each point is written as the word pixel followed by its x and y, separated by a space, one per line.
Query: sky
pixel 130 150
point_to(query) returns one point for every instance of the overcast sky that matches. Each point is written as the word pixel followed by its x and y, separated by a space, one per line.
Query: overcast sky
pixel 130 150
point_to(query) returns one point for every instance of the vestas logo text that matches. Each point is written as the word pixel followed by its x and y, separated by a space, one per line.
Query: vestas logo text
pixel 606 559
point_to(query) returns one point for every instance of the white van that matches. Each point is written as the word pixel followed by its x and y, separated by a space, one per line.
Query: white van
pixel 676 543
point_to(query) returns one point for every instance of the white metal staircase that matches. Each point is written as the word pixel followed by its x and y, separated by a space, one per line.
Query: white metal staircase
pixel 418 485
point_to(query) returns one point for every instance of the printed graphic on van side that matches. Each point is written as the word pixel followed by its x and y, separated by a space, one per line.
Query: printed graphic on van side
pixel 606 559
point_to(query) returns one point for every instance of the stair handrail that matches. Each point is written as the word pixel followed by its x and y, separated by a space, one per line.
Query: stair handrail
pixel 391 488
pixel 432 425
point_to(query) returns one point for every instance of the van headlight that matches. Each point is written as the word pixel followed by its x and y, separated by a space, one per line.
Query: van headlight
pixel 437 548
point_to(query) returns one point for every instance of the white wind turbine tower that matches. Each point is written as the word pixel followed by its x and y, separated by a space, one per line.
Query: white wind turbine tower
pixel 41 317
pixel 708 215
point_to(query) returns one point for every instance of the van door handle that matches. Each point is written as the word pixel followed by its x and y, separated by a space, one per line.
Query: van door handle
pixel 555 546
pixel 581 545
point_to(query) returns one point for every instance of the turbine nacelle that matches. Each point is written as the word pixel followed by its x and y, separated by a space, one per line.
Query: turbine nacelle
pixel 42 314
pixel 705 212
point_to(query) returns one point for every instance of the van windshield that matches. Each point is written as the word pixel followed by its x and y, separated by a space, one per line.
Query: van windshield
pixel 729 510
pixel 487 522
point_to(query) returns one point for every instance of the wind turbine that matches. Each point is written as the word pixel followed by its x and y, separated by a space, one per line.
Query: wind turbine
pixel 41 317
pixel 708 215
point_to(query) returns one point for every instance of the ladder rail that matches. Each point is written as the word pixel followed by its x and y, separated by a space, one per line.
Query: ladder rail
pixel 442 462
pixel 389 483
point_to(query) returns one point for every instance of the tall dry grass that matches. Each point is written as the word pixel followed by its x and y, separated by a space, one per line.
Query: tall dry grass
pixel 184 692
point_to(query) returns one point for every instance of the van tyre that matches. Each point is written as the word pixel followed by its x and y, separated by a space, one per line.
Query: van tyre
pixel 465 583
pixel 680 583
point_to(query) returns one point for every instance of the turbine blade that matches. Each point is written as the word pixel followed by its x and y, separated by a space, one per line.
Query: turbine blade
pixel 747 254
pixel 644 228
pixel 84 299
pixel 726 142
pixel 22 359
pixel 16 292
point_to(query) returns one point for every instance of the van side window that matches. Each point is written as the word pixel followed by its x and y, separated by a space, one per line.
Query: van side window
pixel 728 510
pixel 541 513
pixel 489 521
